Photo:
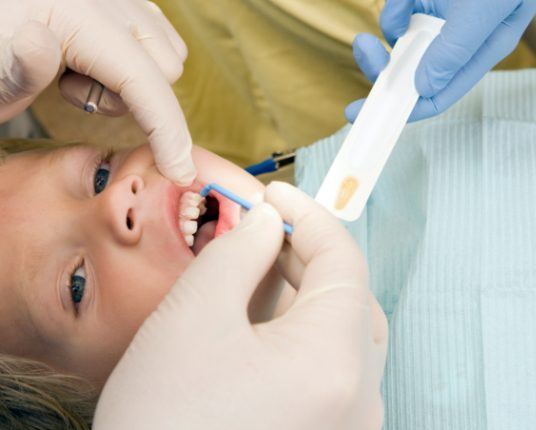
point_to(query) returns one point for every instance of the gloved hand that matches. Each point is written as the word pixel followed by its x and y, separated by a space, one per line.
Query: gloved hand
pixel 478 34
pixel 198 363
pixel 128 45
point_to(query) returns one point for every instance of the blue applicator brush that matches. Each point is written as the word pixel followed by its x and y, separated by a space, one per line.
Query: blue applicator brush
pixel 239 200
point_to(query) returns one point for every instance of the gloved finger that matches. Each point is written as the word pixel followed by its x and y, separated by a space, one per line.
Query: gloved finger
pixel 353 109
pixel 380 328
pixel 146 27
pixel 290 266
pixel 498 46
pixel 329 254
pixel 394 19
pixel 157 44
pixel 372 58
pixel 331 312
pixel 127 70
pixel 75 89
pixel 228 270
pixel 425 108
pixel 31 60
pixel 174 38
pixel 370 55
pixel 465 32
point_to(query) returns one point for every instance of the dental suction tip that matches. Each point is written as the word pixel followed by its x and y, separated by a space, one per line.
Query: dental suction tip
pixel 239 200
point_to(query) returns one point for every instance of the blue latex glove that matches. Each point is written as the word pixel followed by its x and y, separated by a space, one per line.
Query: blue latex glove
pixel 478 34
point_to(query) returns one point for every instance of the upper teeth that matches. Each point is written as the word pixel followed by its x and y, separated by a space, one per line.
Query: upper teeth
pixel 190 212
pixel 188 227
pixel 191 206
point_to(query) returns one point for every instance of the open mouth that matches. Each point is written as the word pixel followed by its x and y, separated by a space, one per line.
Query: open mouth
pixel 203 219
pixel 206 224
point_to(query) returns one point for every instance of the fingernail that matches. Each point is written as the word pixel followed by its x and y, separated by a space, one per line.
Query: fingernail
pixel 187 175
pixel 258 214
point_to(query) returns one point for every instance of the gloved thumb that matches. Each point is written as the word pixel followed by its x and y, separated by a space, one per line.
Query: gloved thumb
pixel 225 274
pixel 30 61
pixel 395 19
pixel 465 32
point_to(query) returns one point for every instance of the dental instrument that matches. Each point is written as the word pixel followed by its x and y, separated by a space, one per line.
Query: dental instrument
pixel 363 155
pixel 94 97
pixel 239 200
pixel 272 164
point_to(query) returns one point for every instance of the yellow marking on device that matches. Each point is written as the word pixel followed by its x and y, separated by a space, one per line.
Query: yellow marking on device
pixel 347 190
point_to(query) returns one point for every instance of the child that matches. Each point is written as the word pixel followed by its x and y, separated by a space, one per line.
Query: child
pixel 91 243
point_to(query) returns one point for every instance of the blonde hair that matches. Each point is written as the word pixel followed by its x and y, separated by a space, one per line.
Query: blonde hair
pixel 33 396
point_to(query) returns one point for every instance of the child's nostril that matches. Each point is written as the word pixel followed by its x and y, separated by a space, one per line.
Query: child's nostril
pixel 134 188
pixel 130 221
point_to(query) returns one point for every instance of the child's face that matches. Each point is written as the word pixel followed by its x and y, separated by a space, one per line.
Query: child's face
pixel 124 244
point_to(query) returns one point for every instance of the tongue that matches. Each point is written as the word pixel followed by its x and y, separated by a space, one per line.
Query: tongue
pixel 204 236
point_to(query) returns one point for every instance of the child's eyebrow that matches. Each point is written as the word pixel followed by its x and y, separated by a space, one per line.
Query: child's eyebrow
pixel 33 254
pixel 72 162
pixel 58 155
pixel 34 258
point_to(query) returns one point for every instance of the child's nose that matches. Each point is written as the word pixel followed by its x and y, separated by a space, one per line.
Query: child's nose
pixel 121 207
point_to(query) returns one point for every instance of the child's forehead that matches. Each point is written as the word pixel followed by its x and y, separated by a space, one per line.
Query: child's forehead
pixel 23 249
pixel 22 169
pixel 30 177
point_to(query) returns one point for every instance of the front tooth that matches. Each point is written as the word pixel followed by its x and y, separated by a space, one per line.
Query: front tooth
pixel 189 239
pixel 188 227
pixel 197 198
pixel 190 212
pixel 194 197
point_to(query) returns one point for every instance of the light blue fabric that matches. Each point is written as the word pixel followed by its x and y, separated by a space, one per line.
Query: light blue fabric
pixel 450 238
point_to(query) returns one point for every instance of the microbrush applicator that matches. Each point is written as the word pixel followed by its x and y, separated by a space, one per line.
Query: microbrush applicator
pixel 239 200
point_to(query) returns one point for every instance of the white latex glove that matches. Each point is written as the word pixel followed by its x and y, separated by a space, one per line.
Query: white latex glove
pixel 198 363
pixel 128 45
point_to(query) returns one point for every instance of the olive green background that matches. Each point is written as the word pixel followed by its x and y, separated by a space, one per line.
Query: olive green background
pixel 262 75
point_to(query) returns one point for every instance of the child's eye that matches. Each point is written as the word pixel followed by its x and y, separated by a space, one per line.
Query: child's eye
pixel 102 173
pixel 78 284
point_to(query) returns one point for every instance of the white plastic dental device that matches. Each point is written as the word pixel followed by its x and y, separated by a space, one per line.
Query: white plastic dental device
pixel 363 155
